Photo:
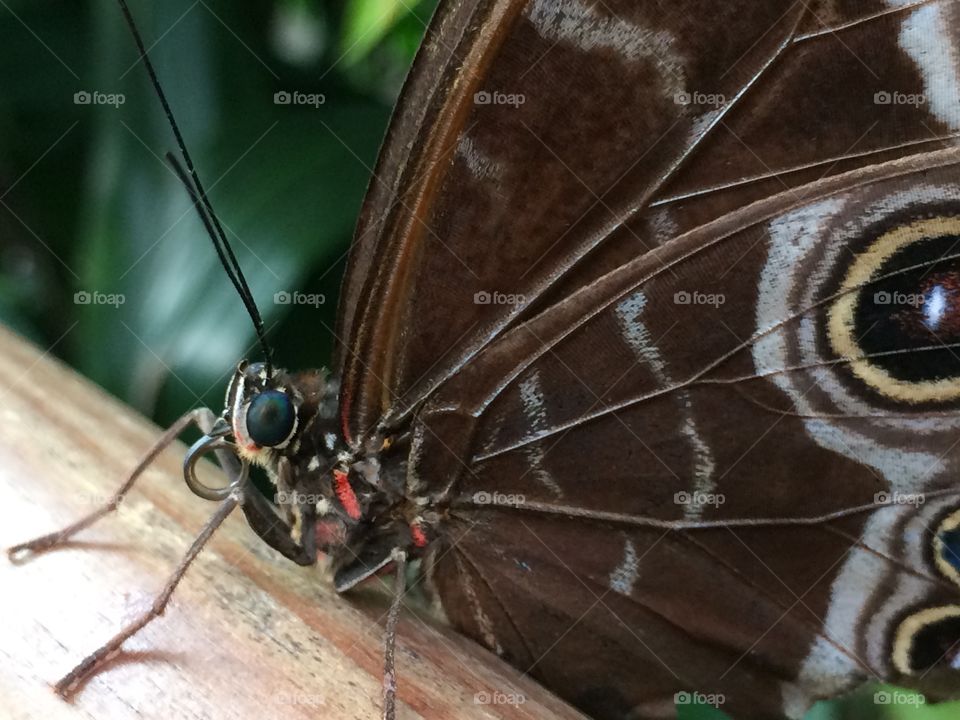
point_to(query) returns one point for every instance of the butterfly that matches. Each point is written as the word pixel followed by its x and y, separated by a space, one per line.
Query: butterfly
pixel 647 352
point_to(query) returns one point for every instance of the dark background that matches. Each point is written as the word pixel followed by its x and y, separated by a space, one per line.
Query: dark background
pixel 88 205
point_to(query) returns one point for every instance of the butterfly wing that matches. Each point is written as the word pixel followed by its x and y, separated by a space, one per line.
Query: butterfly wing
pixel 740 510
pixel 543 147
pixel 538 145
pixel 535 129
pixel 427 90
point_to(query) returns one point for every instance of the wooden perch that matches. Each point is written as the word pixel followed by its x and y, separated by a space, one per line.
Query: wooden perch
pixel 247 635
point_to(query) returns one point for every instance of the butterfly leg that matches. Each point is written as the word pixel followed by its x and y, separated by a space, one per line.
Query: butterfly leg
pixel 202 417
pixel 390 639
pixel 90 665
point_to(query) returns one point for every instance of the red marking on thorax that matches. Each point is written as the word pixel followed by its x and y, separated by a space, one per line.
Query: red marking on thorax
pixel 348 498
pixel 418 535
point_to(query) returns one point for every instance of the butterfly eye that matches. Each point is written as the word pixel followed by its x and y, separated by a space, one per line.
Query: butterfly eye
pixel 899 312
pixel 271 418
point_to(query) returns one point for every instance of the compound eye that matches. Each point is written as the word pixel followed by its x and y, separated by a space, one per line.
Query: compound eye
pixel 271 418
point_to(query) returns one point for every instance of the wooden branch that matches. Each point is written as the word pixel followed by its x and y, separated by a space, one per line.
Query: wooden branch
pixel 248 633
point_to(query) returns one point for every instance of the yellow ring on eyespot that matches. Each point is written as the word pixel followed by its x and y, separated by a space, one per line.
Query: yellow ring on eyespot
pixel 903 640
pixel 841 321
pixel 951 522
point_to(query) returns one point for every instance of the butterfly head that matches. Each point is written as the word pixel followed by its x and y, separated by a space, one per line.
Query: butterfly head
pixel 326 491
pixel 270 414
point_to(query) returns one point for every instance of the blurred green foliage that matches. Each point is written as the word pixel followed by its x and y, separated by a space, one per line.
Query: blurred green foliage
pixel 875 703
pixel 87 204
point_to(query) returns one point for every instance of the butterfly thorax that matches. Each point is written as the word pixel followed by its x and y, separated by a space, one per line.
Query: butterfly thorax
pixel 344 501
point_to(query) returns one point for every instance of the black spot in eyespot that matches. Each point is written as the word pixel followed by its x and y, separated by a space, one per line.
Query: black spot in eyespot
pixel 950 547
pixel 936 644
pixel 270 418
pixel 916 308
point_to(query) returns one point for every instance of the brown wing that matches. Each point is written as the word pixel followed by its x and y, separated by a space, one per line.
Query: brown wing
pixel 424 94
pixel 638 120
pixel 596 396
pixel 667 494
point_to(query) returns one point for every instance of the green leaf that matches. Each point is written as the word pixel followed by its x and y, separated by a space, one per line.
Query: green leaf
pixel 367 22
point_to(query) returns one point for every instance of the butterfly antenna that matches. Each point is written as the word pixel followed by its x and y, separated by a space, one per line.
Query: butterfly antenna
pixel 191 180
